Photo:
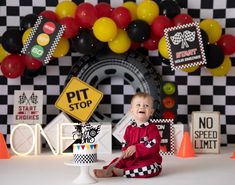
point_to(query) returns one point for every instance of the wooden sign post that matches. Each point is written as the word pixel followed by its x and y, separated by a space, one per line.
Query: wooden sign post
pixel 206 132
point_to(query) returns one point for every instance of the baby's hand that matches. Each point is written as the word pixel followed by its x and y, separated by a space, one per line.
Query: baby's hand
pixel 129 151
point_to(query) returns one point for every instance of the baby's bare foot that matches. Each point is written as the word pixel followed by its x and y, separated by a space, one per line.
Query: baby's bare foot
pixel 102 173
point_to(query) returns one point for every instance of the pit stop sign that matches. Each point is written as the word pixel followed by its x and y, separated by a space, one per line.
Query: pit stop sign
pixel 79 99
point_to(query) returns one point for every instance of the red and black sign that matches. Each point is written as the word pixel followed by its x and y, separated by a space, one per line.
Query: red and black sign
pixel 185 46
pixel 165 128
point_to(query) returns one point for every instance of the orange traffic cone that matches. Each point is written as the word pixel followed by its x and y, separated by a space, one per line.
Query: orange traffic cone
pixel 233 156
pixel 186 147
pixel 4 154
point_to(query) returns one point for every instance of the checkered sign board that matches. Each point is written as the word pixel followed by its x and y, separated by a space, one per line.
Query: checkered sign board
pixel 185 46
pixel 197 91
pixel 165 128
pixel 42 41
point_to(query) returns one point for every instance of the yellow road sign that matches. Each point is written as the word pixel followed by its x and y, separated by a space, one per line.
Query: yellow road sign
pixel 79 99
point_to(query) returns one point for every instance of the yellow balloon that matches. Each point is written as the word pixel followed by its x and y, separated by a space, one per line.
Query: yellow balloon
pixel 162 47
pixel 212 28
pixel 62 48
pixel 190 69
pixel 121 43
pixel 223 69
pixel 132 7
pixel 105 29
pixel 3 53
pixel 26 35
pixel 147 10
pixel 65 9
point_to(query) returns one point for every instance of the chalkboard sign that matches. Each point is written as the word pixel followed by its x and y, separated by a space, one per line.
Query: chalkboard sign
pixel 206 132
pixel 166 130
pixel 185 46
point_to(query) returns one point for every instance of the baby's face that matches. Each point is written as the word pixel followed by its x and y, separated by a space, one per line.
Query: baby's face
pixel 142 109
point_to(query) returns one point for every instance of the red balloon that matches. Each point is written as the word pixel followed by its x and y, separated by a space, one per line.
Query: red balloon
pixel 103 9
pixel 72 27
pixel 151 43
pixel 49 14
pixel 12 66
pixel 31 63
pixel 86 14
pixel 121 16
pixel 182 19
pixel 159 24
pixel 227 43
pixel 135 45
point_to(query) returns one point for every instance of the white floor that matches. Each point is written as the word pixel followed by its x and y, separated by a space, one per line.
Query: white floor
pixel 46 169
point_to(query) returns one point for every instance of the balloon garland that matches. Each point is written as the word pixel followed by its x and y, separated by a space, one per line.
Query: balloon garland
pixel 91 28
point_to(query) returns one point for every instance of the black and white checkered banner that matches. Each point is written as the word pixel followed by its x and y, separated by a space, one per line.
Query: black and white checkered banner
pixel 146 170
pixel 84 158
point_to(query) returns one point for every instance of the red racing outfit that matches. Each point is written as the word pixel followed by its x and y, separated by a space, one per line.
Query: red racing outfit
pixel 146 161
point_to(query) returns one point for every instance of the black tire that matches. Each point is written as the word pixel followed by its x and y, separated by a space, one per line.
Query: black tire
pixel 133 67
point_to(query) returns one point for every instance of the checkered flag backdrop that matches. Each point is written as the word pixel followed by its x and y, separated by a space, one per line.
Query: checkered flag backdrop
pixel 197 91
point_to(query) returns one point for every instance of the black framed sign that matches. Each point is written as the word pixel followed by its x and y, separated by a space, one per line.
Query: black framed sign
pixel 165 127
pixel 185 46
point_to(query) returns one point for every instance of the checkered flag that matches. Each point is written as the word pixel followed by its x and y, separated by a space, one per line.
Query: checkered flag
pixel 147 143
pixel 22 98
pixel 33 98
pixel 183 38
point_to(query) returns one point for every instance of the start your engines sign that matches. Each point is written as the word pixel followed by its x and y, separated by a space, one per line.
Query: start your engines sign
pixel 185 46
pixel 79 99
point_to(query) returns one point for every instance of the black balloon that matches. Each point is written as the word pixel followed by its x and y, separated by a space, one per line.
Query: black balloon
pixel 138 30
pixel 85 42
pixel 28 21
pixel 163 60
pixel 143 51
pixel 182 3
pixel 157 1
pixel 169 8
pixel 214 56
pixel 28 73
pixel 205 38
pixel 72 46
pixel 12 41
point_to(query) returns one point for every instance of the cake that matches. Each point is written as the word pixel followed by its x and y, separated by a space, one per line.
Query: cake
pixel 85 153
